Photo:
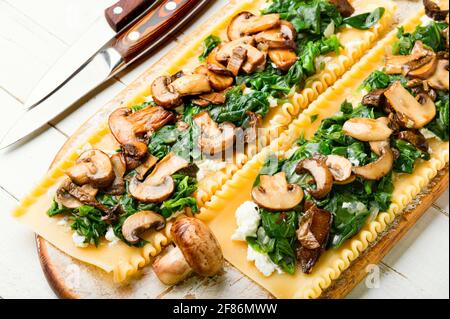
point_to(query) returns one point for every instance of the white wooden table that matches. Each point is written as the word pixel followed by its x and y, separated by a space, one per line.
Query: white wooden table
pixel 33 34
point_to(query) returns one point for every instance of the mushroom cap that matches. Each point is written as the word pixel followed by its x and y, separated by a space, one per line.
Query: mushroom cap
pixel 214 138
pixel 246 23
pixel 439 80
pixel 379 168
pixel 163 94
pixel 321 174
pixel 159 185
pixel 191 84
pixel 274 193
pixel 283 58
pixel 234 30
pixel 218 81
pixel 199 246
pixel 281 37
pixel 340 167
pixel 140 222
pixel 367 129
pixel 225 50
pixel 92 167
pixel 215 66
pixel 417 113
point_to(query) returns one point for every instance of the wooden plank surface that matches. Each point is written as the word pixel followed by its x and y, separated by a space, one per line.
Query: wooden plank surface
pixel 32 38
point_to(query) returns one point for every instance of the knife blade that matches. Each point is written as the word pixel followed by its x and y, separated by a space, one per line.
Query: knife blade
pixel 142 35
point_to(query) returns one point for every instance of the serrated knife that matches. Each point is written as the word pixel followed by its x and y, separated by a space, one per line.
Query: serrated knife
pixel 76 74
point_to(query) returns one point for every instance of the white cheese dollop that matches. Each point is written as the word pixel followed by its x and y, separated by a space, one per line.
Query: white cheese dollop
pixel 207 166
pixel 111 236
pixel 247 219
pixel 272 101
pixel 262 262
pixel 78 240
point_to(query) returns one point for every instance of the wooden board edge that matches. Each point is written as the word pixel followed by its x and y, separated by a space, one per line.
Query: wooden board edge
pixel 352 276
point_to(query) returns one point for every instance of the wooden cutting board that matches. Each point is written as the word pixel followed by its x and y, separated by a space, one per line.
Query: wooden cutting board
pixel 70 278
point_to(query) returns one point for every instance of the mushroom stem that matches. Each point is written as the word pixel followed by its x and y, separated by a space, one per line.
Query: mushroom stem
pixel 172 268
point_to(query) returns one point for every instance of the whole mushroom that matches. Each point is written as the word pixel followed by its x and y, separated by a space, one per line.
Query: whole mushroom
pixel 197 251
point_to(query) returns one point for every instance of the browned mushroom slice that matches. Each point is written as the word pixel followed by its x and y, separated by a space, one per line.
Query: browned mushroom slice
pixel 237 60
pixel 215 97
pixel 416 113
pixel 395 64
pixel 379 168
pixel 349 180
pixel 275 194
pixel 92 167
pixel 215 66
pixel 120 167
pixel 200 102
pixel 246 23
pixel 140 222
pixel 439 80
pixel 344 7
pixel 197 251
pixel 436 9
pixel 225 50
pixel 159 185
pixel 340 167
pixel 282 37
pixel 132 128
pixel 214 138
pixel 321 174
pixel 64 198
pixel 142 169
pixel 283 58
pixel 313 233
pixel 426 70
pixel 377 146
pixel 255 60
pixel 192 84
pixel 217 81
pixel 163 94
pixel 375 98
pixel 366 129
pixel 234 30
pixel 415 138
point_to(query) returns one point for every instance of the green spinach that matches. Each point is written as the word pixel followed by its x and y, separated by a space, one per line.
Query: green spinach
pixel 208 45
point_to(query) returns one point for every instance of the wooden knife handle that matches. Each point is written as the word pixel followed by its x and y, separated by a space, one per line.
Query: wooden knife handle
pixel 125 11
pixel 153 25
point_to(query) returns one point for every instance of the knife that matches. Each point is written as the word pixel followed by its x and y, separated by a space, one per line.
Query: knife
pixel 136 39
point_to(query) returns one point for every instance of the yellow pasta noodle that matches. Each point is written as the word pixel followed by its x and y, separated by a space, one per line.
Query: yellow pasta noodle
pixel 120 259
pixel 219 212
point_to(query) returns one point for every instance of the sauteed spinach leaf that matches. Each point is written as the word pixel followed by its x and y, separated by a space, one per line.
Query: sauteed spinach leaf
pixel 208 45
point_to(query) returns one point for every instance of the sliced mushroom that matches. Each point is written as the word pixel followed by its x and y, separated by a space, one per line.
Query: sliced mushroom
pixel 246 23
pixel 282 37
pixel 379 168
pixel 197 251
pixel 416 113
pixel 214 138
pixel 255 60
pixel 421 59
pixel 437 10
pixel 344 7
pixel 340 167
pixel 215 66
pixel 192 84
pixel 237 60
pixel 396 64
pixel 375 98
pixel 92 167
pixel 64 198
pixel 367 129
pixel 283 58
pixel 159 185
pixel 274 193
pixel 217 81
pixel 377 146
pixel 321 174
pixel 131 129
pixel 225 50
pixel 142 169
pixel 349 180
pixel 426 70
pixel 216 98
pixel 140 222
pixel 415 138
pixel 163 94
pixel 313 234
pixel 439 80
pixel 120 167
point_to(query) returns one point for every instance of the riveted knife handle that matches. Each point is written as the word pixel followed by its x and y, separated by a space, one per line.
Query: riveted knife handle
pixel 125 11
pixel 153 26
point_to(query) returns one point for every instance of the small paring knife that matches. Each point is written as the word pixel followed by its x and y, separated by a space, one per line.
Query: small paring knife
pixel 79 71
